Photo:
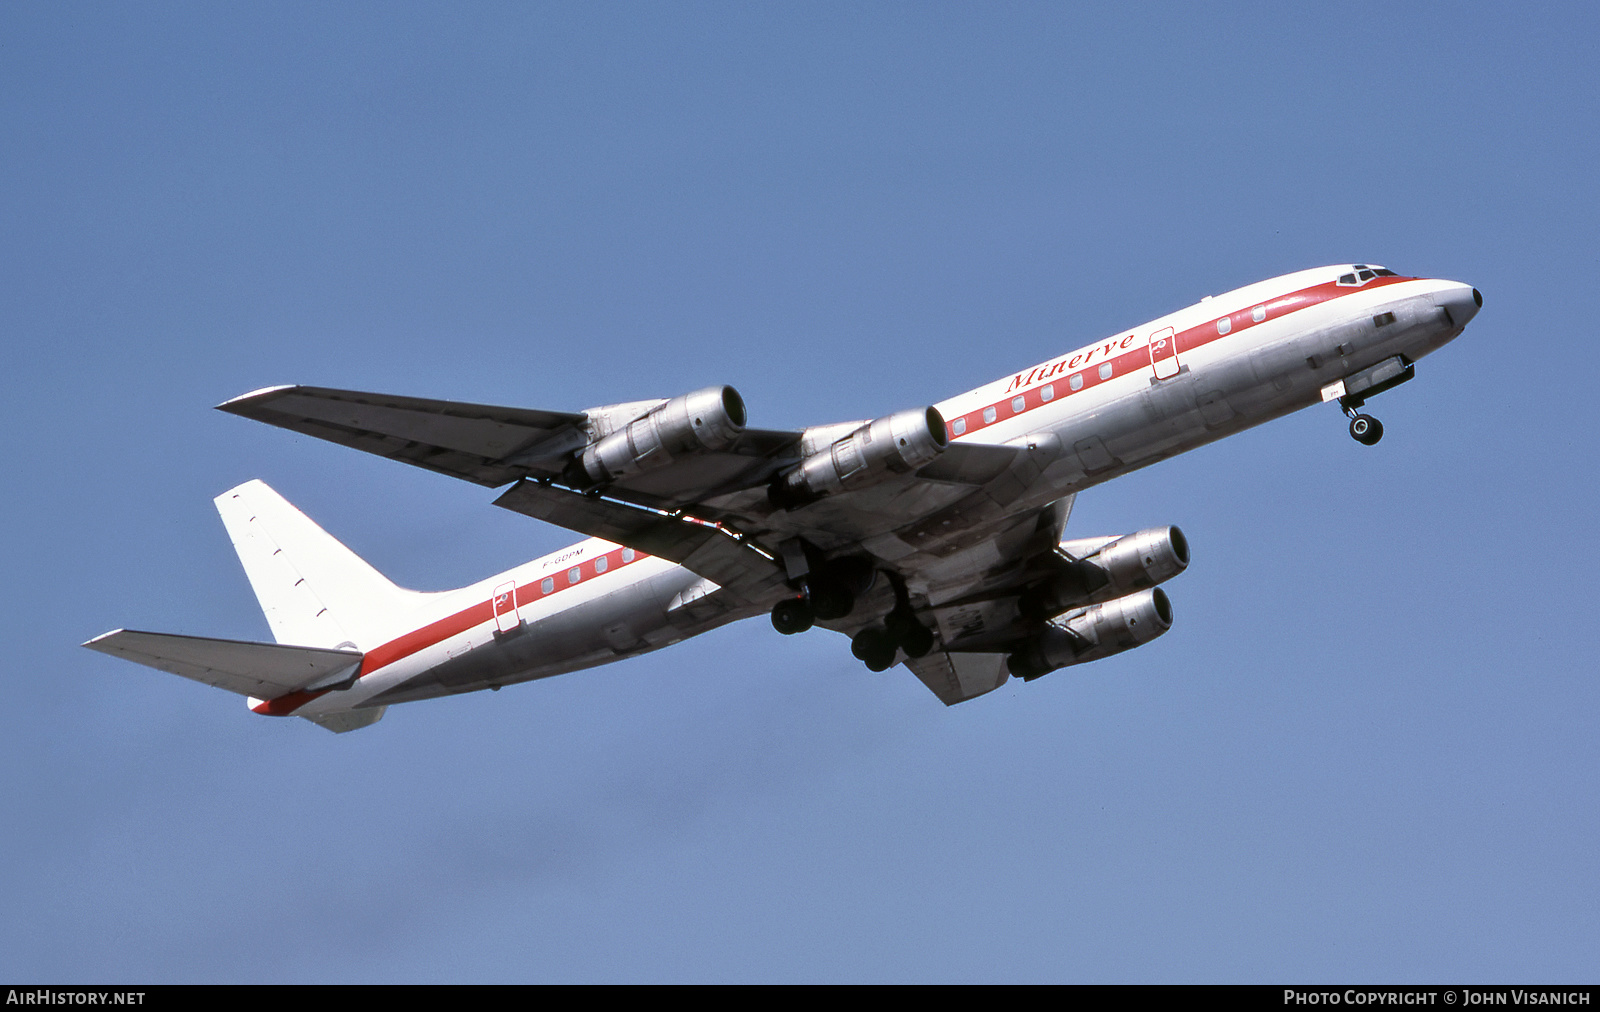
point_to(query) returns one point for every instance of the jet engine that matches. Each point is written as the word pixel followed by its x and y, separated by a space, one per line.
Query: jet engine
pixel 894 444
pixel 1091 633
pixel 1098 569
pixel 709 419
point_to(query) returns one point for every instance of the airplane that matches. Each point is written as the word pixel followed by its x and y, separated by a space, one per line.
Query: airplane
pixel 932 537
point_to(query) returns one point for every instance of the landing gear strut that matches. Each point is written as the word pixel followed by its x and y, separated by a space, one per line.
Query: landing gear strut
pixel 1364 429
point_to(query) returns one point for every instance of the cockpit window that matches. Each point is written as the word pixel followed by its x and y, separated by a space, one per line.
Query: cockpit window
pixel 1362 273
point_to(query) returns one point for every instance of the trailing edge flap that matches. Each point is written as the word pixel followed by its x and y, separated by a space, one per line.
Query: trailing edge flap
pixel 700 548
pixel 264 670
pixel 956 678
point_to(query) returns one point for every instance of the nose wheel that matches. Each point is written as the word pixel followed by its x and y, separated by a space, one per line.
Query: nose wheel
pixel 1364 429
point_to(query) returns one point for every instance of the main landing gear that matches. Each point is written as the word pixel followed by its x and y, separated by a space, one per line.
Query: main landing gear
pixel 829 593
pixel 824 597
pixel 793 615
pixel 876 645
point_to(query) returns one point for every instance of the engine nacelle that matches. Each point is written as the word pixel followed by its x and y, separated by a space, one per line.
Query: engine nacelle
pixel 1110 567
pixel 894 444
pixel 709 419
pixel 1097 631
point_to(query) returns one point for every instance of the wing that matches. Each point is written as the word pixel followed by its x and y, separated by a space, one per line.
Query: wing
pixel 494 446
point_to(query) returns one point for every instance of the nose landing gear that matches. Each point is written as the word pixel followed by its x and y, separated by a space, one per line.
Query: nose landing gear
pixel 1354 390
pixel 1364 429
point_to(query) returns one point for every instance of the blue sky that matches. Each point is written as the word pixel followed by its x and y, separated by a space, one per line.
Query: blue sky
pixel 1366 751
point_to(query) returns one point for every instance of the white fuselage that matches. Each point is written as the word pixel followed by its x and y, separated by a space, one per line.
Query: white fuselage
pixel 1170 385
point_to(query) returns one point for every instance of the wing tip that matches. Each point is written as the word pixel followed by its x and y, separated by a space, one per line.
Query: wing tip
pixel 101 639
pixel 235 405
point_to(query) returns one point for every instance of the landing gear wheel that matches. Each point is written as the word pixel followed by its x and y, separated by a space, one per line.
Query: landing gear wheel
pixel 912 636
pixel 1365 429
pixel 829 601
pixel 874 647
pixel 918 642
pixel 792 615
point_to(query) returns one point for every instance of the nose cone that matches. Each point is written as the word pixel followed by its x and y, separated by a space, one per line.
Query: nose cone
pixel 1462 302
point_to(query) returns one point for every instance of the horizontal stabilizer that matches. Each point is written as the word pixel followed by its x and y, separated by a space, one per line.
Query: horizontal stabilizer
pixel 264 670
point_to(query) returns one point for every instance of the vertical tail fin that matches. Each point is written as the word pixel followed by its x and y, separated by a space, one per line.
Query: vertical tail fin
pixel 315 591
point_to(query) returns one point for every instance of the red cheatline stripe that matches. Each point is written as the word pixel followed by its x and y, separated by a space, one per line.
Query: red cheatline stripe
pixel 474 615
pixel 1135 354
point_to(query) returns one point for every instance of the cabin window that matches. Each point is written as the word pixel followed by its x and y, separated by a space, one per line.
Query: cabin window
pixel 989 415
pixel 1105 370
pixel 574 574
pixel 1076 382
pixel 1225 324
pixel 601 563
pixel 1258 314
pixel 1018 405
pixel 627 555
pixel 548 586
pixel 958 426
pixel 1048 393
